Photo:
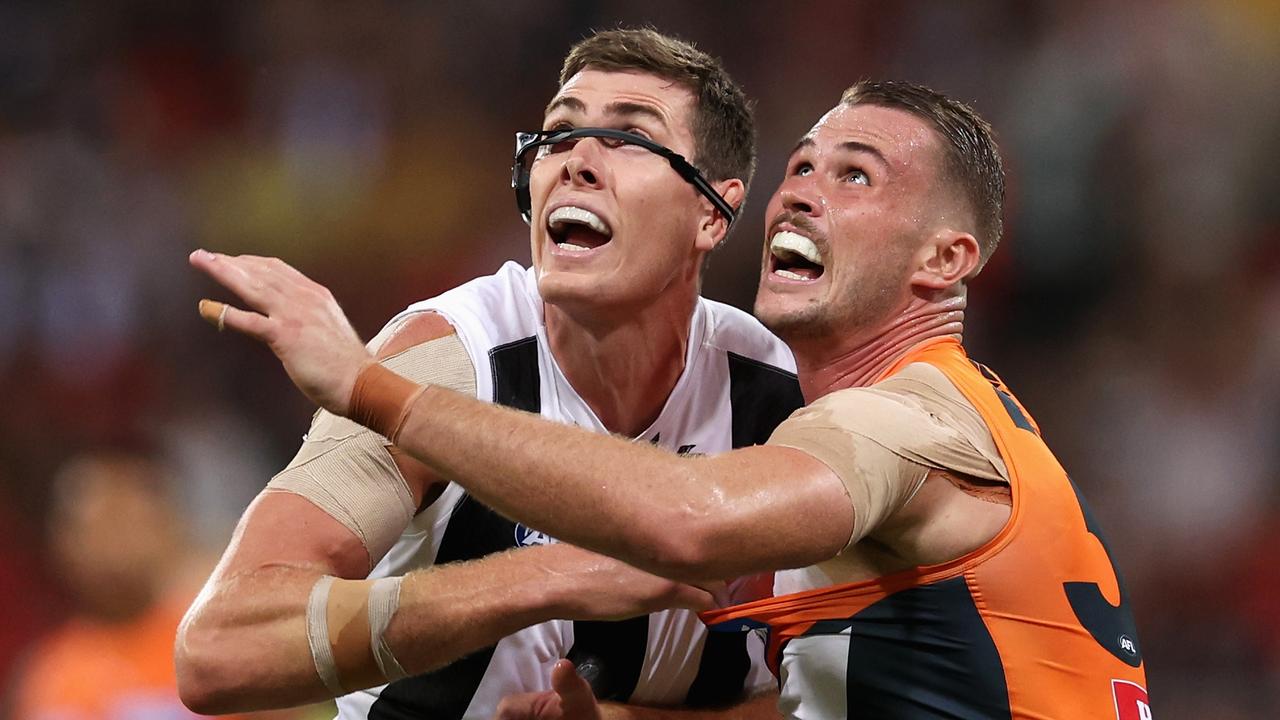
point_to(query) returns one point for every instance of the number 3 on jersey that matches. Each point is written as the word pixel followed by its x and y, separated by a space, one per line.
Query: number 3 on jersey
pixel 1111 625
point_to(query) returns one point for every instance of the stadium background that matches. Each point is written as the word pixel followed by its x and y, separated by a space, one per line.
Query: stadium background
pixel 1134 306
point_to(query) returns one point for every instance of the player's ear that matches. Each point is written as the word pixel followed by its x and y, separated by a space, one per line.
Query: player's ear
pixel 946 258
pixel 714 226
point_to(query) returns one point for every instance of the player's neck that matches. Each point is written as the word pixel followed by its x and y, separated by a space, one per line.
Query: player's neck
pixel 626 366
pixel 825 367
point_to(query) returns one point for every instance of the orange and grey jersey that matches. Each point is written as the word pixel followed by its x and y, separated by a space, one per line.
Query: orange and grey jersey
pixel 1033 624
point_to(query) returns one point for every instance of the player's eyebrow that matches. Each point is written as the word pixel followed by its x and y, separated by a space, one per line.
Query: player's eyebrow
pixel 848 146
pixel 634 108
pixel 621 107
pixel 569 103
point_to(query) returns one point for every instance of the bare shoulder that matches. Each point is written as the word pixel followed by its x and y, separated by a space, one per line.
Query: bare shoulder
pixel 414 330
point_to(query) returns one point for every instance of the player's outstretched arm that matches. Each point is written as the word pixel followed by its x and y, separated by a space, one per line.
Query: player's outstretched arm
pixel 245 645
pixel 750 510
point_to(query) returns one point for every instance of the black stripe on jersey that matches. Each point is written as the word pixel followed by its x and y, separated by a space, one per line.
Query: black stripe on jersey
pixel 761 396
pixel 516 382
pixel 722 673
pixel 473 531
pixel 922 654
pixel 1018 417
pixel 610 655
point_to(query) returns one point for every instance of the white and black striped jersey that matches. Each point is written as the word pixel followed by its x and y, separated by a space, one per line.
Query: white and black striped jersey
pixel 738 384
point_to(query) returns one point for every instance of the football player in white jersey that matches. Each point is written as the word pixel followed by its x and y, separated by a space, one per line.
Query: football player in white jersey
pixel 311 599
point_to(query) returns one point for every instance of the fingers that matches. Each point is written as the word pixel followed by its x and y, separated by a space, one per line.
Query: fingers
pixel 265 284
pixel 231 273
pixel 719 592
pixel 576 698
pixel 695 598
pixel 214 312
pixel 262 282
pixel 222 316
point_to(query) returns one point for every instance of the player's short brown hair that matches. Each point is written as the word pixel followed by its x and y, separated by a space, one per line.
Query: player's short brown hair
pixel 971 157
pixel 723 128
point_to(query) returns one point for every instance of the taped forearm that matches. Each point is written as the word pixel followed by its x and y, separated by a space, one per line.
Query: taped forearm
pixel 243 647
pixel 284 636
pixel 364 633
pixel 346 630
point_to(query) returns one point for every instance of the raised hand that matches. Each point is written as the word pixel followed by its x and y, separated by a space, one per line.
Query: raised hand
pixel 295 316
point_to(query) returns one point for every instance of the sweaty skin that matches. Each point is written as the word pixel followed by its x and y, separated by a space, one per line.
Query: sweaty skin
pixel 685 518
pixel 894 251
pixel 621 310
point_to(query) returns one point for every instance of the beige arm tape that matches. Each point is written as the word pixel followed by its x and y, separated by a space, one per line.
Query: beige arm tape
pixel 384 600
pixel 346 469
pixel 318 635
pixel 347 621
pixel 881 441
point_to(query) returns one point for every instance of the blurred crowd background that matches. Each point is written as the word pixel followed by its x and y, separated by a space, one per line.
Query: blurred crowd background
pixel 1134 306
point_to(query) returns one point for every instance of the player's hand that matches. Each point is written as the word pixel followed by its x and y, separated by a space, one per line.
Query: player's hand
pixel 295 316
pixel 602 588
pixel 570 698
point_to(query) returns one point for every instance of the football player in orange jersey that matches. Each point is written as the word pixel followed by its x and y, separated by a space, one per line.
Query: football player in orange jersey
pixel 935 560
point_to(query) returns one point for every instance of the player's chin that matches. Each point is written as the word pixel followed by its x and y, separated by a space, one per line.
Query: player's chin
pixel 786 309
pixel 577 284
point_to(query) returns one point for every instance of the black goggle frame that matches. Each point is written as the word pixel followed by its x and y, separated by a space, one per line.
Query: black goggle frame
pixel 527 142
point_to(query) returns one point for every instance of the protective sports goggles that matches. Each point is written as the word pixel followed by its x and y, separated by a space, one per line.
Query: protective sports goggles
pixel 531 146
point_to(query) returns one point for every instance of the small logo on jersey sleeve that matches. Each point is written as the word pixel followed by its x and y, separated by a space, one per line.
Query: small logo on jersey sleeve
pixel 1131 701
pixel 527 536
pixel 1128 645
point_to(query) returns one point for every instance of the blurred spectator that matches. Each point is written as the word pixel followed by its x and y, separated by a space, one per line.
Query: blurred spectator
pixel 115 539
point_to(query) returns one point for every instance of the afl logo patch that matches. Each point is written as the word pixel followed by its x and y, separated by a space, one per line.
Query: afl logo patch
pixel 526 537
pixel 1127 645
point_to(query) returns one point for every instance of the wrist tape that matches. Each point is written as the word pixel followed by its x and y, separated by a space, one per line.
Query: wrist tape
pixel 381 400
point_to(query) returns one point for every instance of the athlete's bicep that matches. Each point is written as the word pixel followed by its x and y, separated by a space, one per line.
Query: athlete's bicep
pixel 287 530
pixel 859 435
pixel 778 507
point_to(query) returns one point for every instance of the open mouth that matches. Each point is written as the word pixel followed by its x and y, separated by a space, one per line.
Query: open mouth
pixel 794 257
pixel 577 230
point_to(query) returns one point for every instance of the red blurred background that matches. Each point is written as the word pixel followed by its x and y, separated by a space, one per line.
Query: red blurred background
pixel 1134 306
